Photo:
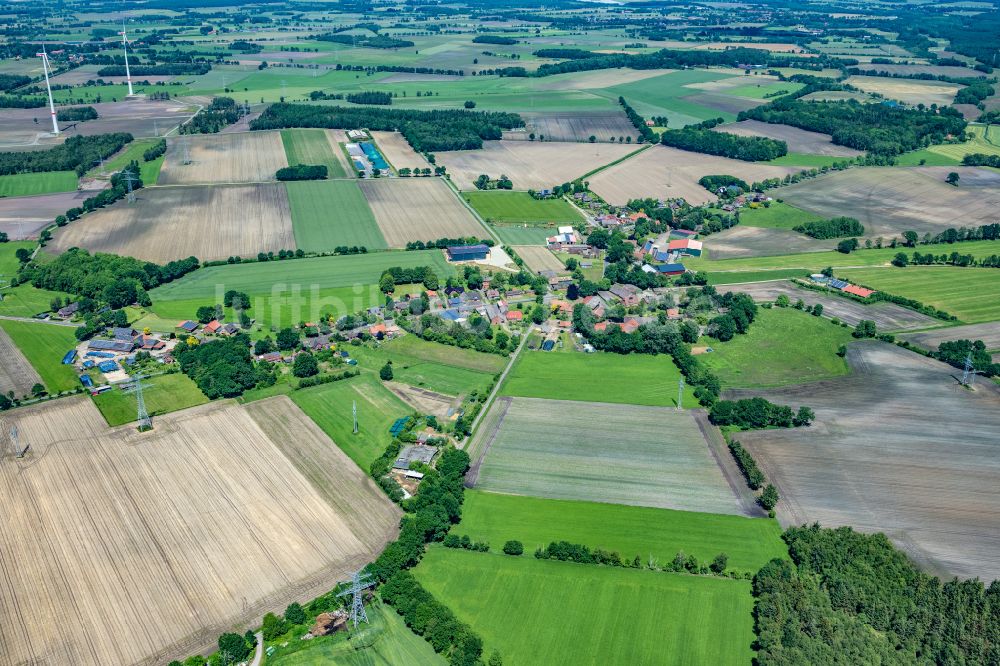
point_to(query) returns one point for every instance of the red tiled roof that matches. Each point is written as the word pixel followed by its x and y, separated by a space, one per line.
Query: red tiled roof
pixel 858 291
pixel 514 315
pixel 213 326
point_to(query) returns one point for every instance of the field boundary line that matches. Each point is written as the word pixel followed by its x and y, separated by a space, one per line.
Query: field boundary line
pixel 475 213
pixel 598 170
pixel 496 387
pixel 472 476
pixel 720 452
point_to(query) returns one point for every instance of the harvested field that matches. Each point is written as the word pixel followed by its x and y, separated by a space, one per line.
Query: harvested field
pixel 412 209
pixel 16 372
pixel 887 316
pixel 989 333
pixel 667 172
pixel 575 450
pixel 539 259
pixel 168 223
pixel 110 534
pixel 908 91
pixel 746 241
pixel 575 126
pixel 140 117
pixel 798 140
pixel 398 151
pixel 24 218
pixel 251 157
pixel 890 200
pixel 530 164
pixel 897 447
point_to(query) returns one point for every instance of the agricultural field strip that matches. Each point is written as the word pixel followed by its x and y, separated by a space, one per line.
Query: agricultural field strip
pixel 989 333
pixel 557 449
pixel 668 172
pixel 16 373
pixel 798 140
pixel 539 258
pixel 168 223
pixel 927 483
pixel 88 558
pixel 247 157
pixel 418 209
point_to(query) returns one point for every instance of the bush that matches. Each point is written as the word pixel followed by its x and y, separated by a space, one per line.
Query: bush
pixel 295 614
pixel 513 547
pixel 305 365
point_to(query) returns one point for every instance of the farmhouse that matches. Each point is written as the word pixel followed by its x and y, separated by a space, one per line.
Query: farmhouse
pixel 468 252
pixel 566 236
pixel 415 453
pixel 687 246
pixel 68 311
pixel 627 293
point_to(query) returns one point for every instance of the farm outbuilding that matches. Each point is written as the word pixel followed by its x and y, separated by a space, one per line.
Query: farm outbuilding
pixel 415 453
pixel 686 246
pixel 468 252
pixel 671 269
pixel 858 291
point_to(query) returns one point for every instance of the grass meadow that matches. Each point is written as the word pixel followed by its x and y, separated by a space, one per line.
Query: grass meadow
pixel 8 259
pixel 331 213
pixel 148 171
pixel 521 208
pixel 44 345
pixel 432 366
pixel 28 184
pixel 163 394
pixel 630 530
pixel 313 147
pixel 664 96
pixel 776 216
pixel 550 612
pixel 598 377
pixel 784 346
pixel 971 294
pixel 384 641
pixel 26 301
pixel 286 292
pixel 329 405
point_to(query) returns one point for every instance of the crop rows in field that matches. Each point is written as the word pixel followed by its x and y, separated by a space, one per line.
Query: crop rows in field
pixel 314 147
pixel 625 454
pixel 246 157
pixel 16 373
pixel 327 214
pixel 188 524
pixel 418 209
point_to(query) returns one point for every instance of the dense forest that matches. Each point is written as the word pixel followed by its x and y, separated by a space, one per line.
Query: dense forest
pixel 425 130
pixel 223 111
pixel 76 113
pixel 565 54
pixel 77 153
pixel 876 128
pixel 103 277
pixel 701 138
pixel 11 81
pixel 223 368
pixel 370 97
pixel 376 42
pixel 494 39
pixel 302 172
pixel 166 69
pixel 849 598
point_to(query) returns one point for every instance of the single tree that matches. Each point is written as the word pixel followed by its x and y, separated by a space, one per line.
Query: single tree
pixel 295 614
pixel 286 339
pixel 952 178
pixel 817 310
pixel 513 547
pixel 305 365
pixel 803 417
pixel 769 497
pixel 718 564
pixel 385 372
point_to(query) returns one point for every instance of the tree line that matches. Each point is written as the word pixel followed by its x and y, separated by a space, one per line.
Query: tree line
pixel 875 128
pixel 76 113
pixel 836 227
pixel 164 69
pixel 494 39
pixel 77 153
pixel 370 97
pixel 426 131
pixel 302 172
pixel 375 42
pixel 645 133
pixel 701 139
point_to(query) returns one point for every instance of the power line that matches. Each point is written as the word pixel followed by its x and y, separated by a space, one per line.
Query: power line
pixel 359 582
pixel 680 393
pixel 142 416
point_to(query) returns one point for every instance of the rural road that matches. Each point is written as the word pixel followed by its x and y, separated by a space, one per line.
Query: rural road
pixel 259 654
pixel 32 320
pixel 496 387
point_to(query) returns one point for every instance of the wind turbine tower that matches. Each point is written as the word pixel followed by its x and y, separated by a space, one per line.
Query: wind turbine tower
pixel 128 75
pixel 52 105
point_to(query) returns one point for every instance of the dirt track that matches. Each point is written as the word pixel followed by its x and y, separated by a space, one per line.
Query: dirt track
pixel 897 447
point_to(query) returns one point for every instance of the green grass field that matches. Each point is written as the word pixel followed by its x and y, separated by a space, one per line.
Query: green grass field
pixel 550 612
pixel 163 394
pixel 778 215
pixel 761 91
pixel 384 641
pixel 331 213
pixel 664 96
pixel 329 406
pixel 44 345
pixel 816 261
pixel 311 146
pixel 148 171
pixel 783 346
pixel 26 301
pixel 630 530
pixel 429 365
pixel 28 184
pixel 971 294
pixel 287 292
pixel 598 377
pixel 8 259
pixel 521 207
pixel 735 277
pixel 512 234
pixel 806 160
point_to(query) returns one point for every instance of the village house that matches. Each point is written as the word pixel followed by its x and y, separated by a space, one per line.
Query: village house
pixel 628 294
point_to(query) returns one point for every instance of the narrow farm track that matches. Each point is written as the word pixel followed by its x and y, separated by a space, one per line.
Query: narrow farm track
pixel 720 451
